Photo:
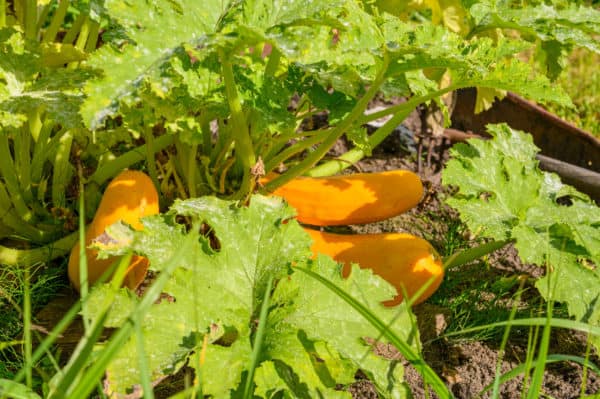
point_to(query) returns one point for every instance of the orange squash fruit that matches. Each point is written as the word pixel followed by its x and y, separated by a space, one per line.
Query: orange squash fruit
pixel 351 199
pixel 129 196
pixel 404 260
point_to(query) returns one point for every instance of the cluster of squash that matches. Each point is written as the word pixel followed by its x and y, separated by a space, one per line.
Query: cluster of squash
pixel 406 261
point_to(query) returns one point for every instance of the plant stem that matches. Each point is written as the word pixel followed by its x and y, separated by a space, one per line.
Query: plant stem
pixel 291 151
pixel 2 13
pixel 41 18
pixel 74 30
pixel 191 171
pixel 312 158
pixel 30 21
pixel 57 20
pixel 115 166
pixel 63 170
pixel 20 257
pixel 243 142
pixel 7 170
pixel 92 40
pixel 351 157
pixel 150 160
pixel 273 63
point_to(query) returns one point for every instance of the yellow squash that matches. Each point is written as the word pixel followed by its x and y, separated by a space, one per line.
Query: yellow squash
pixel 405 261
pixel 351 199
pixel 129 196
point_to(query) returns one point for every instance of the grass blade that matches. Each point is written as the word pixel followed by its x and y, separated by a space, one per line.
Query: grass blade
pixel 472 254
pixel 429 376
pixel 145 378
pixel 534 321
pixel 258 341
pixel 554 358
pixel 538 374
pixel 27 327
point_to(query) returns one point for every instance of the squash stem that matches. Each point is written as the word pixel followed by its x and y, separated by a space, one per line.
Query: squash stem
pixel 335 134
pixel 351 157
pixel 272 63
pixel 191 170
pixel 30 22
pixel 19 257
pixel 74 30
pixel 62 173
pixel 2 13
pixel 8 172
pixel 57 20
pixel 150 159
pixel 243 142
pixel 115 166
pixel 92 39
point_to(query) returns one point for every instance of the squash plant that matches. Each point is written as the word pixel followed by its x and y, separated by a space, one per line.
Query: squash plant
pixel 210 96
pixel 503 195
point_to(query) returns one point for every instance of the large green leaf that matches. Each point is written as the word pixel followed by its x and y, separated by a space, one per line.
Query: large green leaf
pixel 26 84
pixel 313 339
pixel 558 28
pixel 502 194
pixel 156 30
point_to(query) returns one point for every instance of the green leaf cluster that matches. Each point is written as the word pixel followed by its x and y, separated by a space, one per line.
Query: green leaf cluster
pixel 314 341
pixel 502 194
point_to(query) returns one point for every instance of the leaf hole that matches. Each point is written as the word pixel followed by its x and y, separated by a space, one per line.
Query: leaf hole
pixel 208 232
pixel 565 200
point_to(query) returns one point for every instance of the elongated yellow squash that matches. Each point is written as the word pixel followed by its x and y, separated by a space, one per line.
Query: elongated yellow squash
pixel 129 196
pixel 352 199
pixel 405 261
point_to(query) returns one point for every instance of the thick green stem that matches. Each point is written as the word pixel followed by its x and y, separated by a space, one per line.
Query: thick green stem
pixel 22 150
pixel 82 38
pixel 115 166
pixel 273 63
pixel 41 18
pixel 311 159
pixel 150 160
pixel 2 13
pixel 57 21
pixel 351 157
pixel 13 224
pixel 20 257
pixel 92 40
pixel 7 170
pixel 30 21
pixel 74 30
pixel 206 137
pixel 62 172
pixel 192 169
pixel 244 150
pixel 43 148
pixel 291 151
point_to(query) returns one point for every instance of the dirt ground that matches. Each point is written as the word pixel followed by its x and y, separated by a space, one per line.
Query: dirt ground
pixel 467 366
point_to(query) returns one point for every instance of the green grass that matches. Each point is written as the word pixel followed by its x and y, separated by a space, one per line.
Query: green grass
pixel 47 282
pixel 581 80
